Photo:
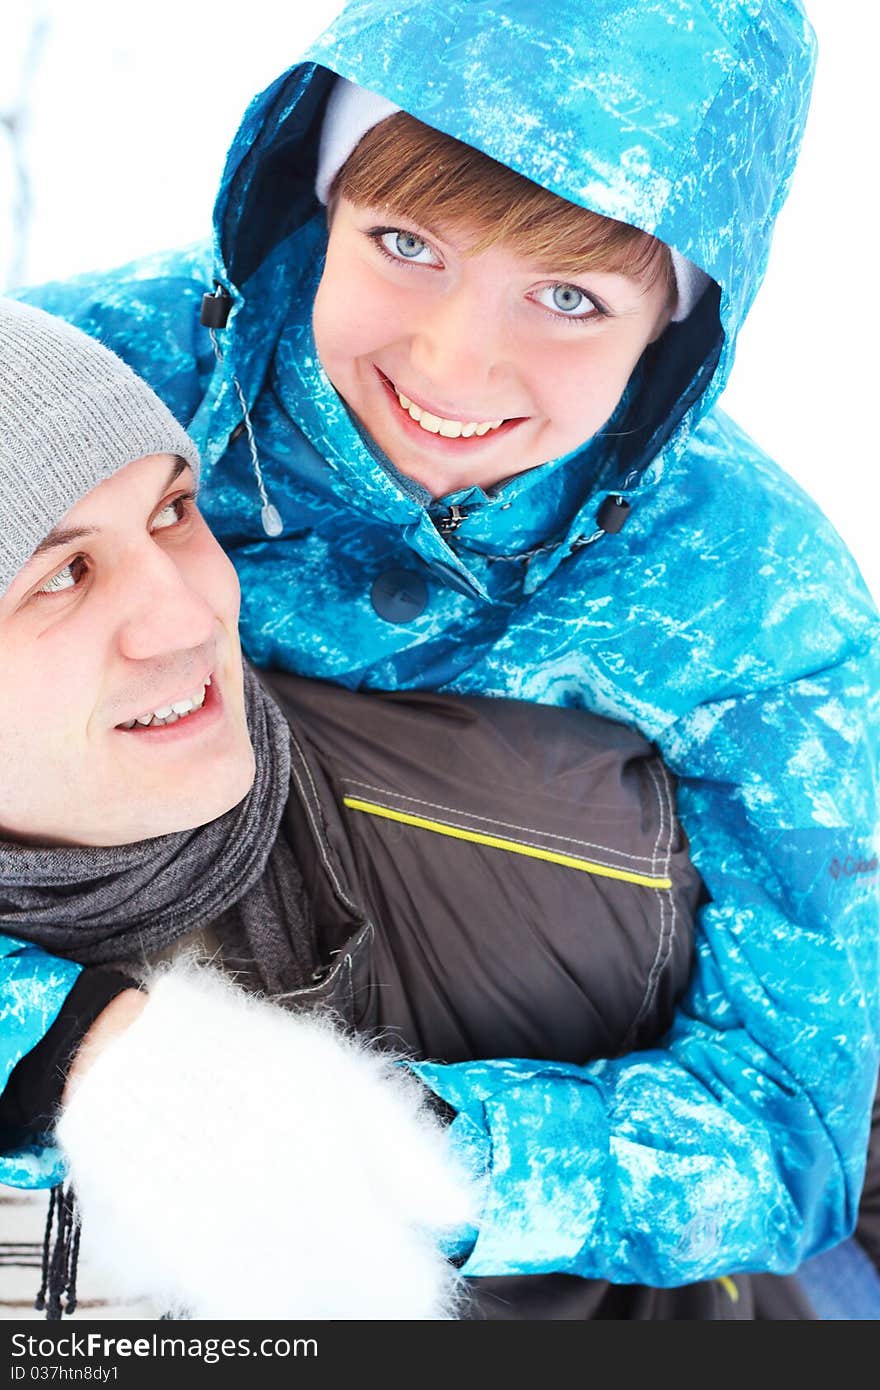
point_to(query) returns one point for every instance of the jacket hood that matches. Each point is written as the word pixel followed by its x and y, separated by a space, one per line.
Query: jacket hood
pixel 682 117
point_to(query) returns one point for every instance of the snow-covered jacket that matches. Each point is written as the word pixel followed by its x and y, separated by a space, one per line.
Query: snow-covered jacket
pixel 677 581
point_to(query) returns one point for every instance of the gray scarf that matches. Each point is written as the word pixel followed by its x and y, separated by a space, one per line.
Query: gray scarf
pixel 125 903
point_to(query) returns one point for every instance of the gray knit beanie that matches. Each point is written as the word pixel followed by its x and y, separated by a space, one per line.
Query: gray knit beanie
pixel 71 414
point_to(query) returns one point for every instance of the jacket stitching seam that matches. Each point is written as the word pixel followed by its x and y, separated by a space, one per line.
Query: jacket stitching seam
pixel 666 935
pixel 507 825
pixel 310 804
pixel 333 974
pixel 530 844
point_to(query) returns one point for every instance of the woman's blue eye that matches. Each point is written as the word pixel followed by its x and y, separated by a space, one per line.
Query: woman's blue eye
pixel 567 301
pixel 405 244
pixel 567 298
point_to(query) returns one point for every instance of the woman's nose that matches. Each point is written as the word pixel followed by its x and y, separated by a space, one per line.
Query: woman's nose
pixel 460 347
pixel 161 610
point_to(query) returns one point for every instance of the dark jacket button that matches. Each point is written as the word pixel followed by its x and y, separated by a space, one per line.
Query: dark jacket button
pixel 398 596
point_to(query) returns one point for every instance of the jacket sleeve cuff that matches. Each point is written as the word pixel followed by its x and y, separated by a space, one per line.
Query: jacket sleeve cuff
pixel 32 1097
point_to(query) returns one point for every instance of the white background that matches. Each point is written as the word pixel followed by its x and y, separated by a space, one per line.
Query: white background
pixel 133 106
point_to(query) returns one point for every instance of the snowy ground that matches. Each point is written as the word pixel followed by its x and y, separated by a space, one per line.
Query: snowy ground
pixel 22 1222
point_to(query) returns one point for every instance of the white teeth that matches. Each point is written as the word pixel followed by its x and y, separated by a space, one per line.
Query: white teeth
pixel 169 714
pixel 449 429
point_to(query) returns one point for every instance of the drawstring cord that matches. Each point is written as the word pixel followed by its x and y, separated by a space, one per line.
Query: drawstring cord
pixel 269 515
pixel 57 1292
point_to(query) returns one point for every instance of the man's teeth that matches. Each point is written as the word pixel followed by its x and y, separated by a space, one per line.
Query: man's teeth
pixel 169 714
pixel 450 429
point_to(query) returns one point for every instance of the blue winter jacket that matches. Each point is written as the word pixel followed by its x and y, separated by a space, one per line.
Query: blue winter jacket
pixel 724 619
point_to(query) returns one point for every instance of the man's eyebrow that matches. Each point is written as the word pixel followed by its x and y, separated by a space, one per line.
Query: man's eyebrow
pixel 65 535
pixel 62 535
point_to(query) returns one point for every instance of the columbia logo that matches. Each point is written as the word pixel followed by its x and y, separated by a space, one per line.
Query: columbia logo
pixel 850 867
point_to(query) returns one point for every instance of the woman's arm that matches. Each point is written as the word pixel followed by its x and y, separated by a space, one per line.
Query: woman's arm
pixel 740 1143
pixel 33 989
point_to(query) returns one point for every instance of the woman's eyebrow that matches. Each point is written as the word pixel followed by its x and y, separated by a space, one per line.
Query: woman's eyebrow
pixel 389 217
pixel 64 535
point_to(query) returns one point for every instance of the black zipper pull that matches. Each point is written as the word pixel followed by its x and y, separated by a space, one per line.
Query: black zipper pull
pixel 215 307
pixel 451 522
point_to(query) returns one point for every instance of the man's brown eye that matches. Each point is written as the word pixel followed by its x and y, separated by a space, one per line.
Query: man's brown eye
pixel 66 578
pixel 171 514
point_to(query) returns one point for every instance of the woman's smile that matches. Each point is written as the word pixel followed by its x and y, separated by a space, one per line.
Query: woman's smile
pixel 466 432
pixel 467 368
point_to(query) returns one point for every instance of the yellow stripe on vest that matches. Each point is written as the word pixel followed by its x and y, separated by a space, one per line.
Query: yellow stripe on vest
pixel 569 861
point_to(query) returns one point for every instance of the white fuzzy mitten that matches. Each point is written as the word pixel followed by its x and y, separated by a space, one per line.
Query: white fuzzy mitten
pixel 236 1160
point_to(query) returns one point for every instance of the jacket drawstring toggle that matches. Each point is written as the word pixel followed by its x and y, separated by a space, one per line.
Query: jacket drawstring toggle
pixel 216 306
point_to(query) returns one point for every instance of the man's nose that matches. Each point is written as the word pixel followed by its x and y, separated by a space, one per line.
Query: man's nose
pixel 163 613
pixel 461 345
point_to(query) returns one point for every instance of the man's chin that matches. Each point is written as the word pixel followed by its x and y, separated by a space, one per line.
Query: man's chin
pixel 210 804
pixel 172 813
